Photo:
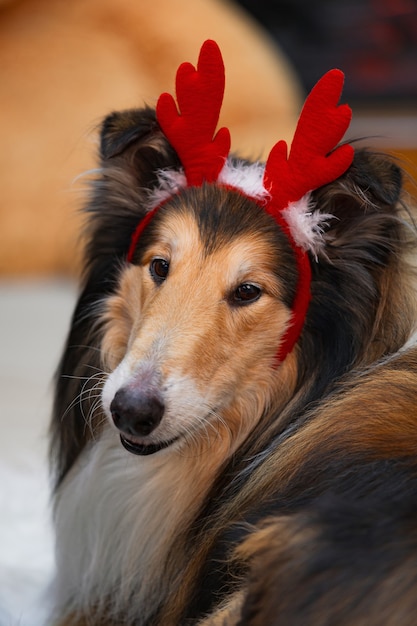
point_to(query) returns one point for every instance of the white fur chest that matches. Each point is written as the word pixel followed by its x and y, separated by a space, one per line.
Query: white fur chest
pixel 116 518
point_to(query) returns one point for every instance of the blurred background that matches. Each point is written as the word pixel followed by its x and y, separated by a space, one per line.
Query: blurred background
pixel 63 66
pixel 374 42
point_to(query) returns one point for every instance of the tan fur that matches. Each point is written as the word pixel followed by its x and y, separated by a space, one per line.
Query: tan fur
pixel 219 347
pixel 121 312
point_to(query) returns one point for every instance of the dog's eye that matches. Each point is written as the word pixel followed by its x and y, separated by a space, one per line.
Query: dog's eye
pixel 159 269
pixel 245 294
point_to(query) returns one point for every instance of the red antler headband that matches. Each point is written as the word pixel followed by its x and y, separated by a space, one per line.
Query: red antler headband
pixel 282 187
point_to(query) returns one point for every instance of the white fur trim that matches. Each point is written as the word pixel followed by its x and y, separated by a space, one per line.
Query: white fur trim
pixel 247 177
pixel 306 225
pixel 170 182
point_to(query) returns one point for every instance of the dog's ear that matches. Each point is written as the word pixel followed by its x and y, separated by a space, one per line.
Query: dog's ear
pixel 364 202
pixel 361 307
pixel 132 140
pixel 377 176
pixel 121 129
pixel 132 151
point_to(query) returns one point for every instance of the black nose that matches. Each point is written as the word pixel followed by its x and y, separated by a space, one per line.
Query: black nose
pixel 136 412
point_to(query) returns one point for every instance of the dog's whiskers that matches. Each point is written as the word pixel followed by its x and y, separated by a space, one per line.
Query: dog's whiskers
pixel 206 425
pixel 90 393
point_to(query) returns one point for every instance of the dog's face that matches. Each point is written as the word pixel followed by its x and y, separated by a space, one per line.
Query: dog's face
pixel 192 332
pixel 189 330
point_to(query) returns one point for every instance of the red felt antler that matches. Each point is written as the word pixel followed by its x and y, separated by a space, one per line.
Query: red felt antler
pixel 312 161
pixel 191 130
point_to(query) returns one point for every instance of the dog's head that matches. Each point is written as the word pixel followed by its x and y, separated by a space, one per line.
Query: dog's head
pixel 191 331
pixel 191 334
pixel 188 318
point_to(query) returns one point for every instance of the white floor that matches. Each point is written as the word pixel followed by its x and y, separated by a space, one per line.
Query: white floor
pixel 34 318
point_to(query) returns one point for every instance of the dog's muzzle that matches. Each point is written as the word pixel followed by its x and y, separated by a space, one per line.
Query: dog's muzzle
pixel 136 414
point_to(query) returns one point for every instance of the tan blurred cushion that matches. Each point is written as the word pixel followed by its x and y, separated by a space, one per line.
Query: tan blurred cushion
pixel 65 65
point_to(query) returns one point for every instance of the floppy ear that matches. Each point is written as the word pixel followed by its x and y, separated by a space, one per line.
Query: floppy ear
pixel 133 139
pixel 376 175
pixel 361 277
pixel 364 203
pixel 132 150
pixel 123 128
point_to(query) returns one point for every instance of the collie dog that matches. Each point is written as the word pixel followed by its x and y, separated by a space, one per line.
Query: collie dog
pixel 199 479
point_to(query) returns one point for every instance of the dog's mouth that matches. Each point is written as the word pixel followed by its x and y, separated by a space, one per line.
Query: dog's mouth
pixel 142 449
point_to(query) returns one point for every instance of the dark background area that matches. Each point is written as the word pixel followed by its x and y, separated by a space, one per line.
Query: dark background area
pixel 373 41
